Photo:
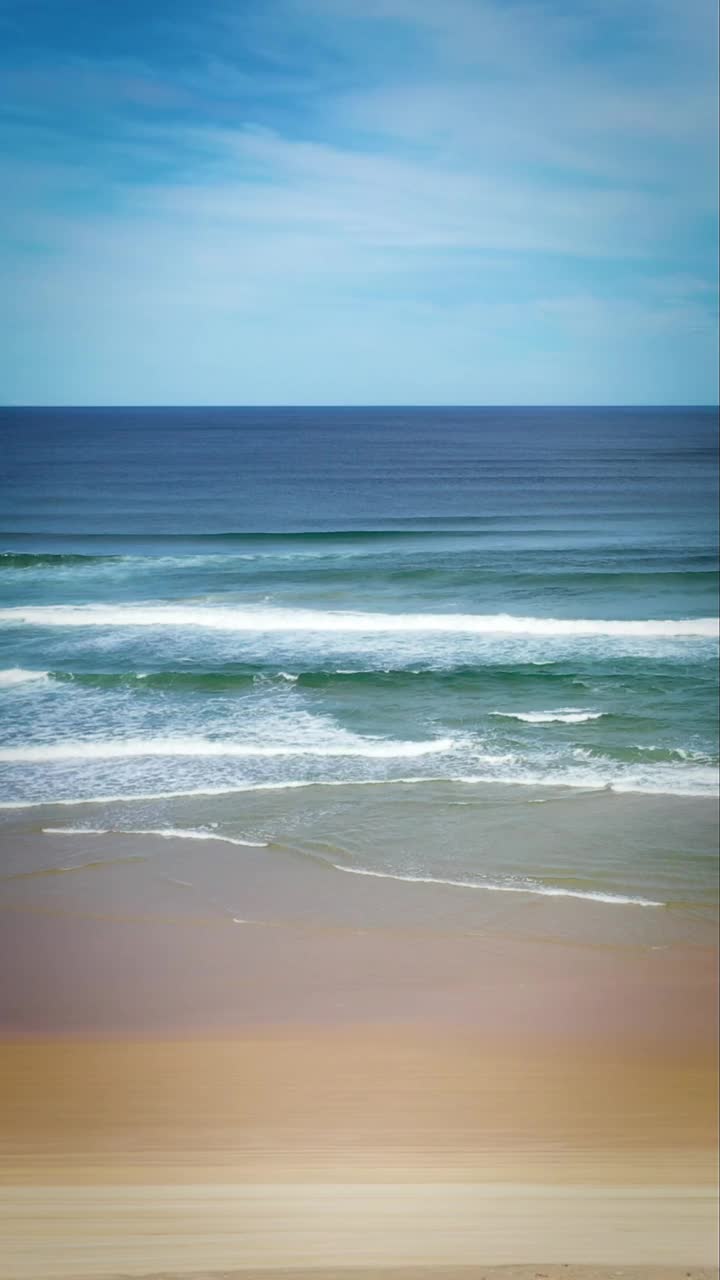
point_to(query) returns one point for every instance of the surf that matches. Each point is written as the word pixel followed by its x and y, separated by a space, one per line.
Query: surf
pixel 199 748
pixel 269 620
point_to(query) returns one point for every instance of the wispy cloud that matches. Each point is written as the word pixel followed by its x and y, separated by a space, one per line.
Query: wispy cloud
pixel 386 200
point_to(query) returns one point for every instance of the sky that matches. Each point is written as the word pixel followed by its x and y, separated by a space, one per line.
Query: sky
pixel 358 202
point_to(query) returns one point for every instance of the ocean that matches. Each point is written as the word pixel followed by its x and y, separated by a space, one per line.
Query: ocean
pixel 468 646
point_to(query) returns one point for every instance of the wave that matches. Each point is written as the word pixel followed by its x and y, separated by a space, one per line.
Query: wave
pixel 410 528
pixel 186 681
pixel 565 715
pixel 266 620
pixel 172 834
pixel 129 748
pixel 18 675
pixel 655 781
pixel 695 783
pixel 155 544
pixel 231 789
pixel 418 563
pixel 391 528
pixel 165 833
pixel 545 891
pixel 47 560
pixel 372 675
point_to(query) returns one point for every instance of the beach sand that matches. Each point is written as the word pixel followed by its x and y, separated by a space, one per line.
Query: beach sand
pixel 187 1096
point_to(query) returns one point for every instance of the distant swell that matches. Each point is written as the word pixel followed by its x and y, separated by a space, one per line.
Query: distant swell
pixel 394 529
pixel 371 675
pixel 266 620
pixel 46 560
pixel 334 553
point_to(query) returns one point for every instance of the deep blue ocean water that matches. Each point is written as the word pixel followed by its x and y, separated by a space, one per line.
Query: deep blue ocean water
pixel 493 606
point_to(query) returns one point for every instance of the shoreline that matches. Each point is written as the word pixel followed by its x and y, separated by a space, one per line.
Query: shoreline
pixel 283 854
pixel 395 1074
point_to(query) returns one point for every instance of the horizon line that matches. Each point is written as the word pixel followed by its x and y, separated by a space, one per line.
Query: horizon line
pixel 365 405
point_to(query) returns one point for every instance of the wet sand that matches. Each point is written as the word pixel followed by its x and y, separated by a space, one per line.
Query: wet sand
pixel 169 938
pixel 187 1096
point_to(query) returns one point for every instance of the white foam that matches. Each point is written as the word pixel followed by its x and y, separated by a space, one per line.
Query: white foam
pixel 545 891
pixel 232 789
pixel 18 675
pixel 564 715
pixel 165 833
pixel 667 781
pixel 264 619
pixel 129 748
pixel 698 783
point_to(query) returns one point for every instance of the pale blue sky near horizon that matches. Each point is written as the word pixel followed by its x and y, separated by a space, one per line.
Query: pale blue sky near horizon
pixel 359 201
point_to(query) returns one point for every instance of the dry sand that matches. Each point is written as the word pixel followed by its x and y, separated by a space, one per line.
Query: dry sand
pixel 183 1229
pixel 184 1098
pixel 378 1148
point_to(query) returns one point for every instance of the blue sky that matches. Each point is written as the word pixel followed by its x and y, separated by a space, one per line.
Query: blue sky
pixel 359 201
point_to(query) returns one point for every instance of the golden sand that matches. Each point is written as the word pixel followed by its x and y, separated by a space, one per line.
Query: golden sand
pixel 373 1147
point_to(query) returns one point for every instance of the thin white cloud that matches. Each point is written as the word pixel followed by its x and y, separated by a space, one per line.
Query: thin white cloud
pixel 441 232
pixel 259 181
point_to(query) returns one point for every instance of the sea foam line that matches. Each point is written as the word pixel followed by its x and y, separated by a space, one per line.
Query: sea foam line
pixel 545 891
pixel 165 833
pixel 179 833
pixel 232 789
pixel 250 619
pixel 130 748
pixel 707 788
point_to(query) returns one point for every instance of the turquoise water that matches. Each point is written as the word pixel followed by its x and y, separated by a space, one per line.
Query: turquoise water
pixel 490 608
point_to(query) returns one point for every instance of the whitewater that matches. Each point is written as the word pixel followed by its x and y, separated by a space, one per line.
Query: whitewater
pixel 303 620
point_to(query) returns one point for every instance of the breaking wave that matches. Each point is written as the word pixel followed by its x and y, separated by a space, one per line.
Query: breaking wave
pixel 18 675
pixel 262 619
pixel 565 715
